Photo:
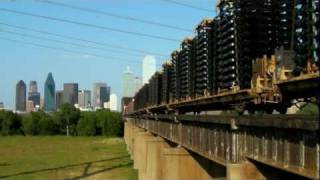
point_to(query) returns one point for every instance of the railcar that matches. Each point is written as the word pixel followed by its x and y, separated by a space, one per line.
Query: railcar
pixel 255 55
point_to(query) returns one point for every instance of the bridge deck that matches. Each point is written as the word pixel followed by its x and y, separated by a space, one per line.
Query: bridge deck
pixel 290 143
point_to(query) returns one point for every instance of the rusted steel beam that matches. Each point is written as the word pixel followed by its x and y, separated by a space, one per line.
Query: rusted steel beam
pixel 278 121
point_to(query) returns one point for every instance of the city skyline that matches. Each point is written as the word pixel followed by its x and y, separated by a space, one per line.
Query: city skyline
pixel 27 98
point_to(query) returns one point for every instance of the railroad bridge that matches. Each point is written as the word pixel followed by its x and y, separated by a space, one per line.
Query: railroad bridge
pixel 224 146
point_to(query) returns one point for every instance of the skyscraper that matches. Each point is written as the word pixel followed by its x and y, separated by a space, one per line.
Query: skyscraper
pixel 128 83
pixel 70 93
pixel 30 106
pixel 59 99
pixel 1 105
pixel 49 94
pixel 21 92
pixel 101 94
pixel 33 87
pixel 113 102
pixel 148 68
pixel 33 94
pixel 84 98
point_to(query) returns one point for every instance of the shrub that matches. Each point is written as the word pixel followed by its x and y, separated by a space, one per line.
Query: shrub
pixel 87 125
pixel 10 123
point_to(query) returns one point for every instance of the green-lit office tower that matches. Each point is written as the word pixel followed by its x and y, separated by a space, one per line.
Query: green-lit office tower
pixel 49 94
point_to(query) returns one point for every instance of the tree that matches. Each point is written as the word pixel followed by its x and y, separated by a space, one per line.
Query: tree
pixel 47 125
pixel 87 124
pixel 67 119
pixel 109 122
pixel 10 123
pixel 30 125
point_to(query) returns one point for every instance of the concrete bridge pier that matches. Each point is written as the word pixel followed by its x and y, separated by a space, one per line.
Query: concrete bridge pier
pixel 156 159
pixel 130 134
pixel 178 163
pixel 243 171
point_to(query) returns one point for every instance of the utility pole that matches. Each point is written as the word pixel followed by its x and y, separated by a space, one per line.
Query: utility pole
pixel 67 125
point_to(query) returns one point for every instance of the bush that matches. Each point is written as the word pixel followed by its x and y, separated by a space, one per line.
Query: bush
pixel 109 122
pixel 10 123
pixel 47 126
pixel 30 125
pixel 309 109
pixel 87 125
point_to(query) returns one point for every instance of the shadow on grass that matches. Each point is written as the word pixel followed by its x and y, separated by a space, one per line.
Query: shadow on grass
pixel 85 173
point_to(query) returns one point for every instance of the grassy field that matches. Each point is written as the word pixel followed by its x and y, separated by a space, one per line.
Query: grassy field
pixel 60 157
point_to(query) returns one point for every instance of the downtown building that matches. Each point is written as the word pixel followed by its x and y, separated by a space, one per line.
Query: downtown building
pixel 113 102
pixel 84 99
pixel 128 85
pixel 21 93
pixel 33 97
pixel 49 94
pixel 101 95
pixel 70 93
pixel 59 99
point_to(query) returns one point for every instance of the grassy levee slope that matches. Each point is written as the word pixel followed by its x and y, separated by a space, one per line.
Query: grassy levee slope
pixel 60 157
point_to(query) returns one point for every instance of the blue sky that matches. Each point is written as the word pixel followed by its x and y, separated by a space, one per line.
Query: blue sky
pixel 26 62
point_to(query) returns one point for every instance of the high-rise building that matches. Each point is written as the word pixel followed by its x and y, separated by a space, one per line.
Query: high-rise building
pixel 113 102
pixel 101 94
pixel 137 84
pixel 59 99
pixel 148 68
pixel 84 98
pixel 128 83
pixel 33 87
pixel 49 94
pixel 1 105
pixel 21 92
pixel 33 94
pixel 30 106
pixel 70 93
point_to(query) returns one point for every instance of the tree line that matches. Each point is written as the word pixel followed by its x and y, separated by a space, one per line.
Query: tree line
pixel 68 120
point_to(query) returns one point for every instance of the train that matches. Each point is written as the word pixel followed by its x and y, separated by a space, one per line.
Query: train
pixel 254 55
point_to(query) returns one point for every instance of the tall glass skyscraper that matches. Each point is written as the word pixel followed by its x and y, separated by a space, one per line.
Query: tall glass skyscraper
pixel 49 94
pixel 148 68
pixel 128 83
pixel 21 95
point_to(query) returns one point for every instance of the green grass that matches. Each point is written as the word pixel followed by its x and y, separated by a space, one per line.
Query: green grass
pixel 60 157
